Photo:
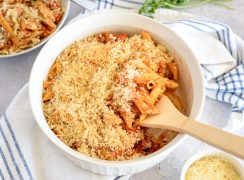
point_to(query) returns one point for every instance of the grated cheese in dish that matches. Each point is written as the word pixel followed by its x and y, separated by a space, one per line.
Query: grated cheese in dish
pixel 90 84
pixel 212 168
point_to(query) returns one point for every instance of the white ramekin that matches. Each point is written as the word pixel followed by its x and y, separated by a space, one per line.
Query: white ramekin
pixel 66 7
pixel 237 164
pixel 191 80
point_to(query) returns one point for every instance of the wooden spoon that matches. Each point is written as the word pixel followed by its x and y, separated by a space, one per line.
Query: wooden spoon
pixel 171 118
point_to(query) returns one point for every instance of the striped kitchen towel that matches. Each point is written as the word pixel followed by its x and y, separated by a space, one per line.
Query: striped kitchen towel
pixel 25 153
pixel 221 55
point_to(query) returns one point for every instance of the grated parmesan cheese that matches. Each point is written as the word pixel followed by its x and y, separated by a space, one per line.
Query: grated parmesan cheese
pixel 95 83
pixel 2 37
pixel 212 168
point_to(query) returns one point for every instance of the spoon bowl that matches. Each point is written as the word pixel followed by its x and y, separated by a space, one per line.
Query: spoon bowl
pixel 171 118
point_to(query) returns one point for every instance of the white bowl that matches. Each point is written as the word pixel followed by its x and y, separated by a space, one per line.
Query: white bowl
pixel 66 7
pixel 191 80
pixel 237 164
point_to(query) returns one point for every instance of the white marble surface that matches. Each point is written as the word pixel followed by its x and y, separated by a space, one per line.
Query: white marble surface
pixel 14 72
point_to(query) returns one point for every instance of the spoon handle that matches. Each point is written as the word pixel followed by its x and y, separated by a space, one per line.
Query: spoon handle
pixel 228 142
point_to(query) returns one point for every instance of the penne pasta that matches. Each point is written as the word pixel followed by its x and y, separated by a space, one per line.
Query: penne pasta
pixel 47 84
pixel 55 69
pixel 100 89
pixel 27 22
pixel 156 93
pixel 144 116
pixel 144 104
pixel 47 95
pixel 146 35
pixel 173 69
pixel 9 30
pixel 152 65
pixel 126 119
pixel 146 77
pixel 151 84
pixel 171 84
pixel 115 120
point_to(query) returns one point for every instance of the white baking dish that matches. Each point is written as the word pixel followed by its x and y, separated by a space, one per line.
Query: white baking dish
pixel 191 81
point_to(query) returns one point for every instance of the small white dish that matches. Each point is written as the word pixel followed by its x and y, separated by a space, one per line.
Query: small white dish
pixel 233 160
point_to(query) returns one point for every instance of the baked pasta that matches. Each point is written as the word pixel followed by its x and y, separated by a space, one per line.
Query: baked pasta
pixel 24 23
pixel 99 90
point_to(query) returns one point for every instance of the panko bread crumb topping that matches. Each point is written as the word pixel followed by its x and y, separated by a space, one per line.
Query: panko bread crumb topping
pixel 99 90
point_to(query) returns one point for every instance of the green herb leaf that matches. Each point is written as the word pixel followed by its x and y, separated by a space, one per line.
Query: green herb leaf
pixel 150 6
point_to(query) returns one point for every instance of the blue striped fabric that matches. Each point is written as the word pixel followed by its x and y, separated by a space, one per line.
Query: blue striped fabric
pixel 17 146
pixel 11 153
pixel 6 164
pixel 16 162
pixel 228 87
pixel 1 175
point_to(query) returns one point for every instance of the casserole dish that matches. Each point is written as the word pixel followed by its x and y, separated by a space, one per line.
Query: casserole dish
pixel 191 81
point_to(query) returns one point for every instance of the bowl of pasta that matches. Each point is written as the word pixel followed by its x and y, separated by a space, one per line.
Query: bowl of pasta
pixel 26 24
pixel 90 93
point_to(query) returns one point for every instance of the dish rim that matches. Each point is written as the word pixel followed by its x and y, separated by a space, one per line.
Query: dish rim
pixel 126 163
